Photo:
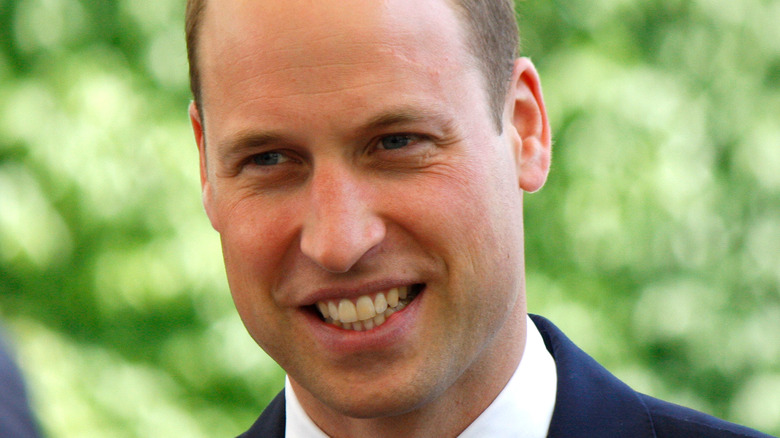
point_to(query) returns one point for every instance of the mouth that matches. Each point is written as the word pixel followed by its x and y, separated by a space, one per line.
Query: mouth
pixel 368 311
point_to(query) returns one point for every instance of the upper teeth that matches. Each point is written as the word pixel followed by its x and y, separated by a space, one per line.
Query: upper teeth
pixel 367 311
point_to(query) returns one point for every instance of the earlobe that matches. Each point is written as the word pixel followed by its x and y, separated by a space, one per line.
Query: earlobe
pixel 206 190
pixel 531 133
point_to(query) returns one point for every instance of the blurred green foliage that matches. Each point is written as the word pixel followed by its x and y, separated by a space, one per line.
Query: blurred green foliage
pixel 655 244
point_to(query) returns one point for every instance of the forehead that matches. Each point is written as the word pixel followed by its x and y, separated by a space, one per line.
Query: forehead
pixel 293 38
pixel 272 23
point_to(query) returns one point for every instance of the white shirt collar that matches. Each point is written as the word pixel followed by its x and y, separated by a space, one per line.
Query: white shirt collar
pixel 523 409
pixel 298 424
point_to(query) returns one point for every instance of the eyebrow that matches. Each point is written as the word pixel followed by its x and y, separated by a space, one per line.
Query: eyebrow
pixel 239 143
pixel 406 115
pixel 236 145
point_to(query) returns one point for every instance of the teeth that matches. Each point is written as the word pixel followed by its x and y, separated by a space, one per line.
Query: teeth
pixel 347 311
pixel 365 308
pixel 365 313
pixel 380 303
pixel 333 311
pixel 323 308
pixel 392 297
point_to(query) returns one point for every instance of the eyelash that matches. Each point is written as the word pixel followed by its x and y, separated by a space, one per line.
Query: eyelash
pixel 284 158
pixel 415 142
pixel 411 138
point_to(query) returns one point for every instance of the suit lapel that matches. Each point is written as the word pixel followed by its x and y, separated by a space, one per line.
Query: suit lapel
pixel 271 423
pixel 590 401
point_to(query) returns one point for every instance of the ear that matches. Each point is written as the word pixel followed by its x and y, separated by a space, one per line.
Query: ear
pixel 205 185
pixel 526 118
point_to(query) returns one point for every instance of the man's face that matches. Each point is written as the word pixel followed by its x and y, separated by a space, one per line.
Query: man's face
pixel 348 151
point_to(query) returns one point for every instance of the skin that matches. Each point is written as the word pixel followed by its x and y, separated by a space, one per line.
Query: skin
pixel 301 100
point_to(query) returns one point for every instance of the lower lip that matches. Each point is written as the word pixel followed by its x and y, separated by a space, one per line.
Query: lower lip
pixel 341 342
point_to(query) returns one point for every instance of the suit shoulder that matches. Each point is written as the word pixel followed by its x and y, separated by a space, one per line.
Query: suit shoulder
pixel 671 420
pixel 271 422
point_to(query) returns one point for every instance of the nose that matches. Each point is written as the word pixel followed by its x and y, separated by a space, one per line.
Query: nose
pixel 341 225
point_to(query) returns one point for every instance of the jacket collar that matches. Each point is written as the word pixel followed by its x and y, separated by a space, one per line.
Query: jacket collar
pixel 589 400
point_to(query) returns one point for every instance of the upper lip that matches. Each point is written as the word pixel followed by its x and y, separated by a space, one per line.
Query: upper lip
pixel 350 291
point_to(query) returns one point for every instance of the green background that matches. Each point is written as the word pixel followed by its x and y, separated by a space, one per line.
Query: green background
pixel 655 244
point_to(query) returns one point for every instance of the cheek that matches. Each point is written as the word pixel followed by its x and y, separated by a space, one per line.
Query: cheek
pixel 256 228
pixel 474 202
pixel 471 217
pixel 249 264
pixel 255 241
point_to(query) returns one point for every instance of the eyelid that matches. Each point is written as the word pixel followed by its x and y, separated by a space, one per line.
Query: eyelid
pixel 283 158
pixel 286 156
pixel 414 139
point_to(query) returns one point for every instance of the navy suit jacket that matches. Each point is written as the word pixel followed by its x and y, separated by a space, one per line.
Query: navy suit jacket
pixel 590 402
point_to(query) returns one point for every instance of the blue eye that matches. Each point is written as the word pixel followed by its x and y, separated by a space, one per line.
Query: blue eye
pixel 396 141
pixel 269 158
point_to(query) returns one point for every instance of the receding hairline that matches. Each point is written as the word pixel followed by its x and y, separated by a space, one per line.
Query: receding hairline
pixel 490 36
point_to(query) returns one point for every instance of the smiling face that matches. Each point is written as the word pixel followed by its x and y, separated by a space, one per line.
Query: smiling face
pixel 348 156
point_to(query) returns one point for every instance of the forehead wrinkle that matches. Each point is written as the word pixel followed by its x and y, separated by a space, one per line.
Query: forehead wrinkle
pixel 306 55
pixel 320 80
pixel 296 72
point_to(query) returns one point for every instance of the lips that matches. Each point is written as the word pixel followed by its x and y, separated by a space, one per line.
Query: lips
pixel 367 311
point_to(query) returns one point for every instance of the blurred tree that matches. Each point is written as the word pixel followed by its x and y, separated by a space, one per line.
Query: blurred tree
pixel 656 242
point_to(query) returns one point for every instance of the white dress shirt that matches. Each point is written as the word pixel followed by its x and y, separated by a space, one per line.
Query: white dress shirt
pixel 523 409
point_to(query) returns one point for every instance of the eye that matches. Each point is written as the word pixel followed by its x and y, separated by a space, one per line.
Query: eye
pixel 270 158
pixel 397 141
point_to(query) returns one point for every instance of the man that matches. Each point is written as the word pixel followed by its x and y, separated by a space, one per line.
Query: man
pixel 364 163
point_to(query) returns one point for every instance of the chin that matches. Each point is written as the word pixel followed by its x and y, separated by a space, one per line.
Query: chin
pixel 381 402
pixel 378 407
